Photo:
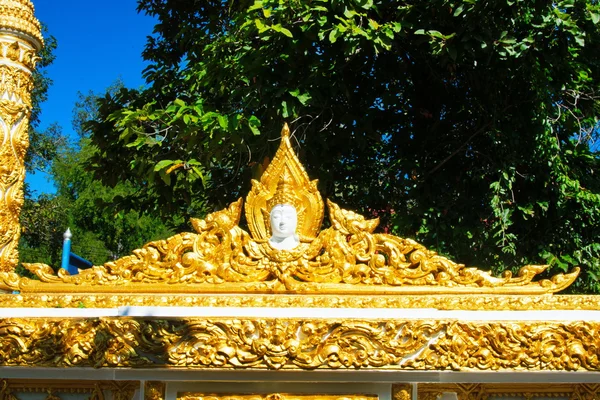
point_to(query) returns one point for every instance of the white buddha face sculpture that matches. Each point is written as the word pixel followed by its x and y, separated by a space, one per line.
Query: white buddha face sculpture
pixel 284 221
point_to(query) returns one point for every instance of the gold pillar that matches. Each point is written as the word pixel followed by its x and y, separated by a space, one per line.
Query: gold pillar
pixel 20 40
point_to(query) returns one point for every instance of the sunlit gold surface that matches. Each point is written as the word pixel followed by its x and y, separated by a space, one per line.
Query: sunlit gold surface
pixel 484 391
pixel 20 37
pixel 17 16
pixel 347 258
pixel 439 302
pixel 207 343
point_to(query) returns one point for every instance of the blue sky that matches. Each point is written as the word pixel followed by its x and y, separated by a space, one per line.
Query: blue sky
pixel 98 42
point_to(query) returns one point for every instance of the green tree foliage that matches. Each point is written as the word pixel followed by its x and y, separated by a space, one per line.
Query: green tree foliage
pixel 43 222
pixel 44 145
pixel 41 218
pixel 468 125
pixel 100 233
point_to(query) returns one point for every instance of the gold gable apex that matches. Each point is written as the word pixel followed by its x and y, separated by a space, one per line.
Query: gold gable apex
pixel 347 258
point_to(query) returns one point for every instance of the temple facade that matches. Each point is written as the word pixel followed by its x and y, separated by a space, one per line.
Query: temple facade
pixel 281 310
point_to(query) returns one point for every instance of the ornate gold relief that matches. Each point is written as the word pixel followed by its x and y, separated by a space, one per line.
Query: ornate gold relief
pixel 20 38
pixel 14 141
pixel 347 258
pixel 120 390
pixel 154 390
pixel 484 391
pixel 18 16
pixel 402 392
pixel 230 343
pixel 273 396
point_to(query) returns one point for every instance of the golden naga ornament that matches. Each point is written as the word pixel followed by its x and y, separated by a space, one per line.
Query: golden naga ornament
pixel 286 251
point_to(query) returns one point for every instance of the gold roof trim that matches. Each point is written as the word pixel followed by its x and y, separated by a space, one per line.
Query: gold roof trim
pixel 467 302
pixel 347 258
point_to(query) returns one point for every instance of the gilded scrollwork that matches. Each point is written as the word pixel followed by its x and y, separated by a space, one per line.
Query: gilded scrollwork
pixel 20 38
pixel 221 257
pixel 201 343
pixel 14 141
pixel 19 54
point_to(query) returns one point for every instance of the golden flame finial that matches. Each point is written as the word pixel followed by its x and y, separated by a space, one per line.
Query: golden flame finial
pixel 285 131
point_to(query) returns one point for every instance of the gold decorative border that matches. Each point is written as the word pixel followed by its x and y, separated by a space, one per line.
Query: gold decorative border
pixel 439 302
pixel 272 396
pixel 300 344
pixel 482 391
pixel 121 390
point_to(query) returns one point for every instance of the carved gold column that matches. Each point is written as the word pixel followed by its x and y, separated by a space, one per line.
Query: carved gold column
pixel 20 39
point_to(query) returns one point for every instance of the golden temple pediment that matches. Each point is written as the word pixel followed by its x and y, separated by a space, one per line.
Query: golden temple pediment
pixel 345 258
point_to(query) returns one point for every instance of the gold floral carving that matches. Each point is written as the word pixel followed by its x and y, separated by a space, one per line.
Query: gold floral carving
pixel 485 391
pixel 154 390
pixel 221 257
pixel 273 396
pixel 231 343
pixel 439 302
pixel 402 392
